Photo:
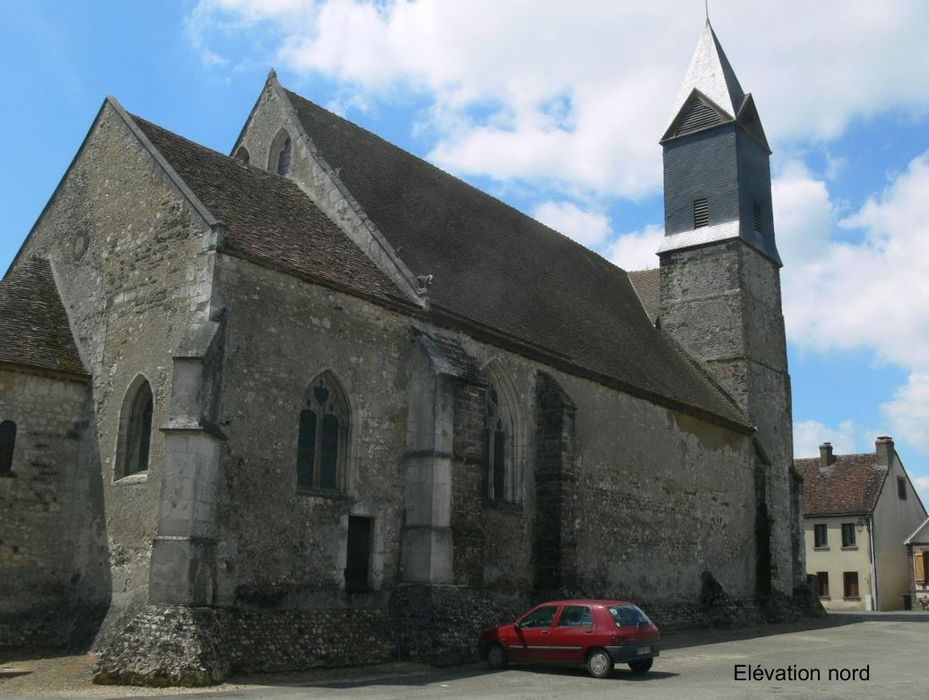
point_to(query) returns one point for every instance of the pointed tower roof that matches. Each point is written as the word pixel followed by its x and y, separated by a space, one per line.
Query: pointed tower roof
pixel 711 74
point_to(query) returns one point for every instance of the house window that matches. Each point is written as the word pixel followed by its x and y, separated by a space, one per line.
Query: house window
pixel 135 429
pixel 7 443
pixel 820 538
pixel 822 583
pixel 701 212
pixel 242 154
pixel 850 584
pixel 921 566
pixel 358 554
pixel 848 535
pixel 901 488
pixel 756 216
pixel 498 449
pixel 322 439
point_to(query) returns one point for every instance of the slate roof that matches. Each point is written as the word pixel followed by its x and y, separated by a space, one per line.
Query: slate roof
pixel 711 73
pixel 849 486
pixel 502 270
pixel 647 285
pixel 34 329
pixel 269 219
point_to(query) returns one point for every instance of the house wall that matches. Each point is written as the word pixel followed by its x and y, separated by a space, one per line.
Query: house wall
pixel 895 519
pixel 659 497
pixel 132 262
pixel 53 565
pixel 835 559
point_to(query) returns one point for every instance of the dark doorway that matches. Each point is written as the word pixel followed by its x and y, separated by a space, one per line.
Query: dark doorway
pixel 357 560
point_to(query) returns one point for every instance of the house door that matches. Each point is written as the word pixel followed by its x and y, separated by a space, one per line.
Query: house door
pixel 358 555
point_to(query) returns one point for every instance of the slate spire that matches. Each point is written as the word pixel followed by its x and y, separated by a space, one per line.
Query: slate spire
pixel 711 74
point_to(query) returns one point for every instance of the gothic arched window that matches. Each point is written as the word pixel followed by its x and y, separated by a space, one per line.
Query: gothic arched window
pixel 280 155
pixel 322 441
pixel 135 429
pixel 498 449
pixel 7 443
pixel 241 153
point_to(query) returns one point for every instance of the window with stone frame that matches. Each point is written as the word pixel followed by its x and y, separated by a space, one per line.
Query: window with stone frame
pixel 242 154
pixel 850 584
pixel 820 536
pixel 498 448
pixel 901 488
pixel 7 445
pixel 848 535
pixel 822 583
pixel 322 439
pixel 135 429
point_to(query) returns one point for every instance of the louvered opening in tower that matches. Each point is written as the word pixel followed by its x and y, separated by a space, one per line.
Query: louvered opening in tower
pixel 756 216
pixel 701 212
pixel 699 116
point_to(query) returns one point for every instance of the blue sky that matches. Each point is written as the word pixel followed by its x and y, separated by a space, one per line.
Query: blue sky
pixel 558 112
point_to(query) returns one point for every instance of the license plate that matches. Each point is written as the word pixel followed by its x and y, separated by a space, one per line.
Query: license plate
pixel 641 651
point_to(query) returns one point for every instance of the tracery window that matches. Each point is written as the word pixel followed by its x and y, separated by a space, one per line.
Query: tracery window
pixel 7 443
pixel 322 441
pixel 498 449
pixel 135 433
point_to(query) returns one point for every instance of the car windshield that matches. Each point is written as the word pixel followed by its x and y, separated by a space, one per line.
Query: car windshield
pixel 627 615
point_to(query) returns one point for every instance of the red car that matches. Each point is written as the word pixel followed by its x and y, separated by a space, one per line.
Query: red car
pixel 593 633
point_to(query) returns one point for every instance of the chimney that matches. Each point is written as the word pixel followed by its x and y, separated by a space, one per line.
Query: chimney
pixel 825 454
pixel 884 448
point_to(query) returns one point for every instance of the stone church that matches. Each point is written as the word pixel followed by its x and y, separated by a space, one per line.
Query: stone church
pixel 319 402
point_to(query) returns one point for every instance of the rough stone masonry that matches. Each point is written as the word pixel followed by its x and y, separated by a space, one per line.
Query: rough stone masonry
pixel 320 403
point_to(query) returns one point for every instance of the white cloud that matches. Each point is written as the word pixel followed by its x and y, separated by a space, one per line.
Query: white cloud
pixel 588 228
pixel 873 294
pixel 580 98
pixel 637 250
pixel 803 215
pixel 810 434
pixel 908 411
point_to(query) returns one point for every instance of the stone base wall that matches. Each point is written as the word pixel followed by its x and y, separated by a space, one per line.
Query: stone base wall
pixel 441 625
pixel 177 645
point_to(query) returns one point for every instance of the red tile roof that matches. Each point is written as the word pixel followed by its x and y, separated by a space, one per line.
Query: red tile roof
pixel 848 486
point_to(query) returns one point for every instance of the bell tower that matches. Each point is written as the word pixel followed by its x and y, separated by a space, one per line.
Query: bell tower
pixel 720 283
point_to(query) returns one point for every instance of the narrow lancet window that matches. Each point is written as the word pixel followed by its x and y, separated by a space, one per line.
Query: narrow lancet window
pixel 322 441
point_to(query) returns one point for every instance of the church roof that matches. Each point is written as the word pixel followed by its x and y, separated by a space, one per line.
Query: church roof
pixel 33 323
pixel 498 270
pixel 647 285
pixel 268 218
pixel 711 74
pixel 849 486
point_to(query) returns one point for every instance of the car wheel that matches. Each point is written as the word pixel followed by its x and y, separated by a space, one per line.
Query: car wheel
pixel 599 663
pixel 641 665
pixel 496 657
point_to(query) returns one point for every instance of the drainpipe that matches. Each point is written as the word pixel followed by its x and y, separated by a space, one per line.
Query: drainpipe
pixel 872 552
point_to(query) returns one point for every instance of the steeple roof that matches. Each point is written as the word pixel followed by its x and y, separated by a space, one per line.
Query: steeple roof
pixel 711 74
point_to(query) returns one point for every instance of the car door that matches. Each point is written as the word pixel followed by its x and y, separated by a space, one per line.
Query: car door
pixel 533 635
pixel 572 634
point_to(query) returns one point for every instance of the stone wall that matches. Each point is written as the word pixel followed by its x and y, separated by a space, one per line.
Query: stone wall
pixel 281 334
pixel 133 263
pixel 54 578
pixel 651 498
pixel 180 645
